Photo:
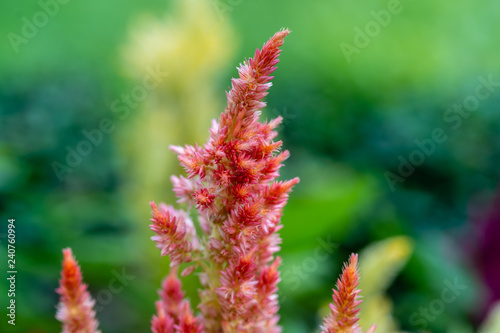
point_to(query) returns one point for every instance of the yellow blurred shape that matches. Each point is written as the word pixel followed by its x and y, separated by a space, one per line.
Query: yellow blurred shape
pixel 192 44
pixel 492 322
pixel 379 264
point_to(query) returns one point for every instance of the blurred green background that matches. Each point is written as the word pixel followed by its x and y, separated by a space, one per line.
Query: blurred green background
pixel 348 123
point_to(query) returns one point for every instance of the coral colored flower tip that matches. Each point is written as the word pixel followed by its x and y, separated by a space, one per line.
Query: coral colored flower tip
pixel 174 313
pixel 75 309
pixel 344 309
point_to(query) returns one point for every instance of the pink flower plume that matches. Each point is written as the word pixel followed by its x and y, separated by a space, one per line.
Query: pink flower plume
pixel 75 309
pixel 174 312
pixel 231 180
pixel 344 309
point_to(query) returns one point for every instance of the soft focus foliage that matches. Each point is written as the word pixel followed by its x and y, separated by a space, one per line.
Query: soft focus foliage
pixel 192 45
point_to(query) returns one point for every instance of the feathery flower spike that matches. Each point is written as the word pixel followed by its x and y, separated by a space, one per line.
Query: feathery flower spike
pixel 174 313
pixel 176 235
pixel 75 309
pixel 231 182
pixel 344 315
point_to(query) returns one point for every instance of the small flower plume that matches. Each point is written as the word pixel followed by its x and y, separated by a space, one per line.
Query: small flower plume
pixel 231 182
pixel 174 313
pixel 176 235
pixel 76 307
pixel 344 309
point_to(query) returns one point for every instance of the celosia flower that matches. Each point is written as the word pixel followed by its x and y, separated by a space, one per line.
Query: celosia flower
pixel 174 313
pixel 344 309
pixel 176 235
pixel 75 309
pixel 231 181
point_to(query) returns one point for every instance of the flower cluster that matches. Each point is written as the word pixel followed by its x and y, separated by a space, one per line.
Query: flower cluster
pixel 75 309
pixel 173 311
pixel 231 182
pixel 176 235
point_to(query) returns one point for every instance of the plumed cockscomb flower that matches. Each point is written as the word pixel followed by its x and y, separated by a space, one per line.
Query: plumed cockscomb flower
pixel 344 309
pixel 175 233
pixel 76 307
pixel 174 313
pixel 231 182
